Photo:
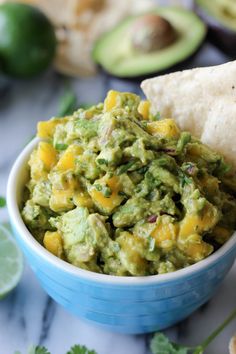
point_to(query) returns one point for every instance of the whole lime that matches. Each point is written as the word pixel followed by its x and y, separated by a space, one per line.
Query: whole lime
pixel 27 40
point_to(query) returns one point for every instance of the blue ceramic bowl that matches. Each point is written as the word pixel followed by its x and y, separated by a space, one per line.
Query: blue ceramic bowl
pixel 122 304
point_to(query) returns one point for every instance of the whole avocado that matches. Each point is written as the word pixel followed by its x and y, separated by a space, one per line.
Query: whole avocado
pixel 27 40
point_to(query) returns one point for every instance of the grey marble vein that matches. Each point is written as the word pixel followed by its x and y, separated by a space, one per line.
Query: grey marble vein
pixel 48 316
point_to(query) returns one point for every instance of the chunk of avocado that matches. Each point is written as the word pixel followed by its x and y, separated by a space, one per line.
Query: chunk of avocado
pixel 220 17
pixel 122 53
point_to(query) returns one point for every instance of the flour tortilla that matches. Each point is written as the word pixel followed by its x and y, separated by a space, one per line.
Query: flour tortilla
pixel 79 23
pixel 202 101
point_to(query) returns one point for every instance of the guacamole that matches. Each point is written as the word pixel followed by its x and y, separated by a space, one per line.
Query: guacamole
pixel 116 190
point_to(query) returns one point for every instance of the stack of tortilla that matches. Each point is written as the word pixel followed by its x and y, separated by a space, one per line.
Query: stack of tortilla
pixel 80 22
pixel 202 101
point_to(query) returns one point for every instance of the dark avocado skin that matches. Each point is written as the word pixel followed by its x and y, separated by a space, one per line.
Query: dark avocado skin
pixel 137 79
pixel 27 40
pixel 222 37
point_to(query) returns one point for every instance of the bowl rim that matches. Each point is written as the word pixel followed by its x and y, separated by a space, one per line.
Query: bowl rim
pixel 34 245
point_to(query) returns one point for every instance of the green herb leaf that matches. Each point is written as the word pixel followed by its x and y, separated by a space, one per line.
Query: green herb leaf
pixel 68 102
pixel 38 350
pixel 80 349
pixel 125 168
pixel 107 192
pixel 161 344
pixel 143 170
pixel 98 187
pixel 61 147
pixel 2 202
pixel 184 179
pixel 157 116
pixel 102 162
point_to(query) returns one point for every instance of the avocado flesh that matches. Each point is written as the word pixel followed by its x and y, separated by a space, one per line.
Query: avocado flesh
pixel 114 52
pixel 224 11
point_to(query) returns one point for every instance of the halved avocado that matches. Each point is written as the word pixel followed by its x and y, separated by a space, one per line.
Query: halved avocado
pixel 116 53
pixel 220 17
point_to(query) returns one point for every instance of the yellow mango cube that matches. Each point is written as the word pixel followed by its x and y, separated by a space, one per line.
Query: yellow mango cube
pixel 165 234
pixel 111 100
pixel 37 170
pixel 53 243
pixel 144 109
pixel 195 248
pixel 107 204
pixel 61 199
pixel 68 158
pixel 83 199
pixel 165 128
pixel 47 154
pixel 131 253
pixel 45 130
pixel 198 223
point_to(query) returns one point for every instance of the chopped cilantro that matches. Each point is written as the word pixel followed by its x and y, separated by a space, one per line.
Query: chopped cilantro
pixel 107 192
pixel 98 187
pixel 61 147
pixel 184 179
pixel 125 168
pixel 143 170
pixel 102 162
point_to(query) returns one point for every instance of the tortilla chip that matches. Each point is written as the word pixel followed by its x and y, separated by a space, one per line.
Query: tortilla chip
pixel 202 101
pixel 232 345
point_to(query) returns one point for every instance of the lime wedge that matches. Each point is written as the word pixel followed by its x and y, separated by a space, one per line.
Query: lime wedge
pixel 11 262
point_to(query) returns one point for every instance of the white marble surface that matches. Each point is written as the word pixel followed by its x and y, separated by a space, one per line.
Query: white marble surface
pixel 28 315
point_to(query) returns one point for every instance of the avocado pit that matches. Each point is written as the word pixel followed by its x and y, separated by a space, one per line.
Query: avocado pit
pixel 152 32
